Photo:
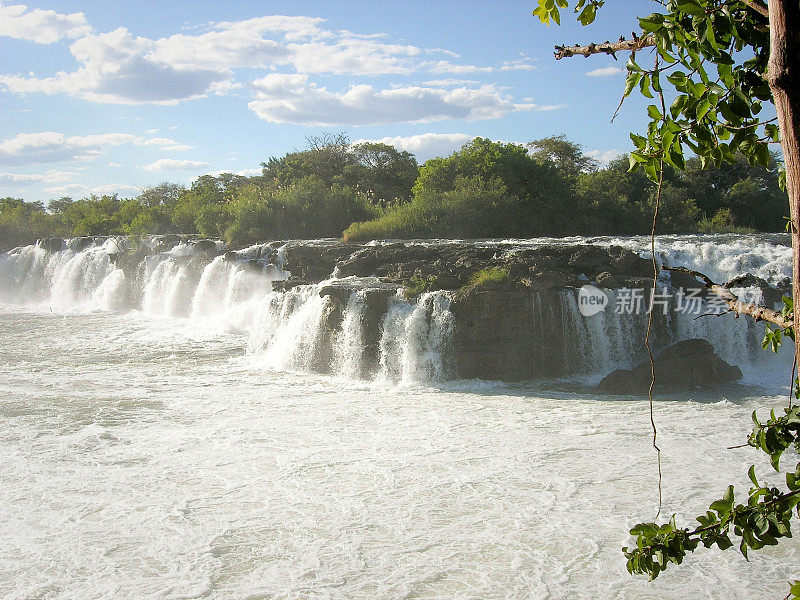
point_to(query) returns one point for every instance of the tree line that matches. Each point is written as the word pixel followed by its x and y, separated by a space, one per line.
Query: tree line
pixel 365 191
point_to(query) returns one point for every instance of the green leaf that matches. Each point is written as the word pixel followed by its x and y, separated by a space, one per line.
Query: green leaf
pixel 751 473
pixel 644 86
pixel 762 155
pixel 728 495
pixel 651 172
pixel 587 15
pixel 677 78
pixel 702 109
pixel 652 23
pixel 690 6
pixel 631 66
pixel 630 82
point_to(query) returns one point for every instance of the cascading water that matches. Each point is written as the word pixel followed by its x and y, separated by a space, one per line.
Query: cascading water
pixel 414 339
pixel 349 347
pixel 287 334
pixel 366 331
pixel 145 457
pixel 63 279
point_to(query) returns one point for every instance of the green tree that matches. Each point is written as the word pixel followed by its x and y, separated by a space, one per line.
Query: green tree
pixel 308 208
pixel 164 194
pixel 474 207
pixel 566 156
pixel 723 59
pixel 22 222
pixel 383 172
pixel 96 215
pixel 327 157
pixel 750 193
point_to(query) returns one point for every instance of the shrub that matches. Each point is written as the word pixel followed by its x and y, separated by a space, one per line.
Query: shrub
pixel 489 275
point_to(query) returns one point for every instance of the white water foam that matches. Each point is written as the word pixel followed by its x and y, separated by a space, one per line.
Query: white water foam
pixel 291 330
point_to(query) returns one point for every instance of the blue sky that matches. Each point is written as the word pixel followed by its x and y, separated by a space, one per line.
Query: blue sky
pixel 103 97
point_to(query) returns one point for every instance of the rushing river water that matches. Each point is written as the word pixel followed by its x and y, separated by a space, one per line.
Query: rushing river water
pixel 146 455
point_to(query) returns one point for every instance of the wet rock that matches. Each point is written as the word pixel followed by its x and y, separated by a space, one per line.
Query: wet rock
pixel 50 244
pixel 82 243
pixel 314 262
pixel 771 295
pixel 167 241
pixel 339 292
pixel 509 333
pixel 687 365
pixel 204 246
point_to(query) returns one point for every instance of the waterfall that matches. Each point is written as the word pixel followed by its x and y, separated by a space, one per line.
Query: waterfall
pixel 611 340
pixel 288 332
pixel 364 327
pixel 415 337
pixel 81 279
pixel 176 282
pixel 349 348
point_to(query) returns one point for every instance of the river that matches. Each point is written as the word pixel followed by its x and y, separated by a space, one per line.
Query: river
pixel 148 455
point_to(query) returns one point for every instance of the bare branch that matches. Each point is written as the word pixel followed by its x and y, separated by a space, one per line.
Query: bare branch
pixel 623 45
pixel 756 311
pixel 635 44
pixel 759 8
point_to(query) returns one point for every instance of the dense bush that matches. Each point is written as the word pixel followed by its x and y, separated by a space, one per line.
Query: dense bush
pixel 372 191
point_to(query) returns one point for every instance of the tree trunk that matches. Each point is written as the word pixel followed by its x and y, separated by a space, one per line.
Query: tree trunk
pixel 784 80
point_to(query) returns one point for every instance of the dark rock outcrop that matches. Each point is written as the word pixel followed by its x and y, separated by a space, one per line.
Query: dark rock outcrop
pixel 687 365
pixel 452 265
pixel 50 244
pixel 312 263
pixel 507 331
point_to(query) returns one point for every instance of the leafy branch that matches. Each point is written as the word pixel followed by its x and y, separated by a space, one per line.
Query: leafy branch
pixel 762 521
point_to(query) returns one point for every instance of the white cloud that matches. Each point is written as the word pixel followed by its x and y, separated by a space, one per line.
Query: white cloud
pixel 548 107
pixel 604 156
pixel 116 188
pixel 7 179
pixel 163 143
pixel 451 82
pixel 49 177
pixel 352 55
pixel 290 28
pixel 444 51
pixel 445 66
pixel 242 173
pixel 115 69
pixel 249 172
pixel 170 164
pixel 51 146
pixel 41 26
pixel 426 145
pixel 77 189
pixel 233 47
pixel 605 72
pixel 522 64
pixel 72 189
pixel 301 43
pixel 293 99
